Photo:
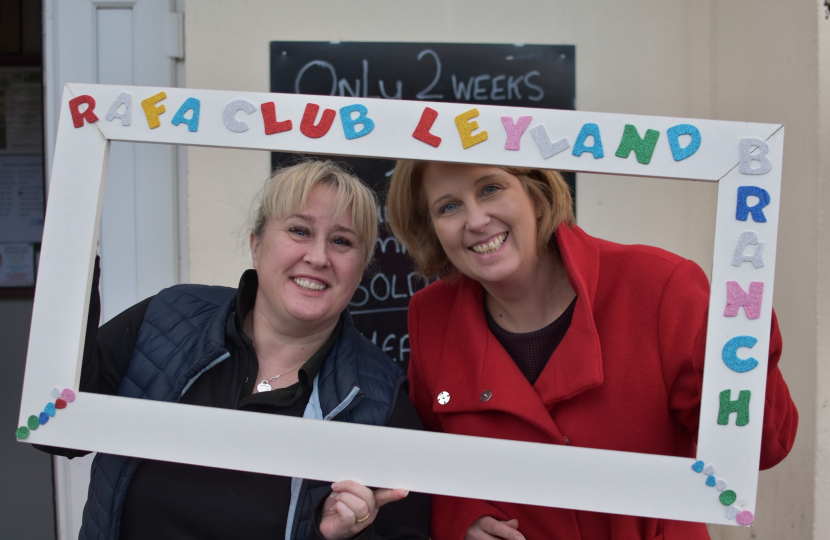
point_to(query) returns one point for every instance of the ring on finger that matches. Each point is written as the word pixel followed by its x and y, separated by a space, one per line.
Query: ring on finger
pixel 364 518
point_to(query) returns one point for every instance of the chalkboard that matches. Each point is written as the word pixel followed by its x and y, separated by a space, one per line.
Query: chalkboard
pixel 541 76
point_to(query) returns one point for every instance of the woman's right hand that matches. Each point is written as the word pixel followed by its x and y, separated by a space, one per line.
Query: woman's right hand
pixel 348 501
pixel 487 528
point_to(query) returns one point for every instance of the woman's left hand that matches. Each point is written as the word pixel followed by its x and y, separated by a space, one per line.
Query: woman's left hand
pixel 352 507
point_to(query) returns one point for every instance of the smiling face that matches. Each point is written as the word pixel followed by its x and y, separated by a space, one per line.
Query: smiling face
pixel 485 220
pixel 309 264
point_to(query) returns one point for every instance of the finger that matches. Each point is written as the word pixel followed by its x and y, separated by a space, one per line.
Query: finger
pixel 500 530
pixel 478 534
pixel 354 488
pixel 512 523
pixel 383 496
pixel 355 503
pixel 345 514
pixel 328 504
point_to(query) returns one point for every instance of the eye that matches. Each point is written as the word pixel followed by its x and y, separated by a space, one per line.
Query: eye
pixel 299 231
pixel 342 241
pixel 490 190
pixel 449 207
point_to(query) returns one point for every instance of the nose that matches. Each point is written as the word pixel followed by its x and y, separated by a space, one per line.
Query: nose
pixel 317 255
pixel 477 218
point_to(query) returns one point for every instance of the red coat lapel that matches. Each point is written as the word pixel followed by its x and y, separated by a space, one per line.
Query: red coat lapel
pixel 576 364
pixel 473 360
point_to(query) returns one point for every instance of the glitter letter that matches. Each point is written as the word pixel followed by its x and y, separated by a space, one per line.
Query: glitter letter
pixel 737 297
pixel 466 128
pixel 269 118
pixel 730 354
pixel 349 123
pixel 78 117
pixel 743 210
pixel 126 99
pixel 515 131
pixel 674 134
pixel 548 149
pixel 643 148
pixel 589 130
pixel 192 122
pixel 424 125
pixel 307 126
pixel 746 157
pixel 748 238
pixel 229 115
pixel 151 111
pixel 727 407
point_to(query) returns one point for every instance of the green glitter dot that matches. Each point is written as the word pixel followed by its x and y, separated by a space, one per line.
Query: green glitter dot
pixel 22 432
pixel 728 497
pixel 33 422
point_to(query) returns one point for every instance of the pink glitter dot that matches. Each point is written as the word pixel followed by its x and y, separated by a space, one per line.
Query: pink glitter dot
pixel 745 518
pixel 68 395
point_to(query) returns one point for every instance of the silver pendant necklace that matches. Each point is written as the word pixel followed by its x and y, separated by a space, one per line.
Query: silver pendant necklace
pixel 264 386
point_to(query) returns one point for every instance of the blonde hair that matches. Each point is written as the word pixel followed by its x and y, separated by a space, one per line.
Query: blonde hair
pixel 287 189
pixel 411 224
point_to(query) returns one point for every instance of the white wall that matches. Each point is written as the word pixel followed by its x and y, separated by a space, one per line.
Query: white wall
pixel 634 67
pixel 748 60
pixel 765 67
pixel 821 525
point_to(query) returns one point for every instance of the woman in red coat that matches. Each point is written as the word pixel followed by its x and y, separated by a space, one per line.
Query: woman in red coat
pixel 539 332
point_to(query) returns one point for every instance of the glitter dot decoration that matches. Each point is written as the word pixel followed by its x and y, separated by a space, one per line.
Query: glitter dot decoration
pixel 745 518
pixel 63 398
pixel 727 497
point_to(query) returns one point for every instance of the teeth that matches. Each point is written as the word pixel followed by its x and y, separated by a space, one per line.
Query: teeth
pixel 309 285
pixel 487 248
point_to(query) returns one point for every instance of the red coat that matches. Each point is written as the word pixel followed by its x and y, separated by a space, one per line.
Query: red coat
pixel 627 376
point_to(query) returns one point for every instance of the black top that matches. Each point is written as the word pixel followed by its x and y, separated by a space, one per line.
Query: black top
pixel 184 502
pixel 532 350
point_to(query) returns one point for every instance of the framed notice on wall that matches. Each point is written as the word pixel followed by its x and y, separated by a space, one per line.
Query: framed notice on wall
pixel 536 76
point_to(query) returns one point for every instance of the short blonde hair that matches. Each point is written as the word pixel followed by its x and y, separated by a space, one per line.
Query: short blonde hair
pixel 287 189
pixel 411 224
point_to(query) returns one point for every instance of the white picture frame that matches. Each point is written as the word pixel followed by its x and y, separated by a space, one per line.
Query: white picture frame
pixel 537 474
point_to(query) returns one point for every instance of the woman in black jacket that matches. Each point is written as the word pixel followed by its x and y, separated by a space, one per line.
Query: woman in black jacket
pixel 282 343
